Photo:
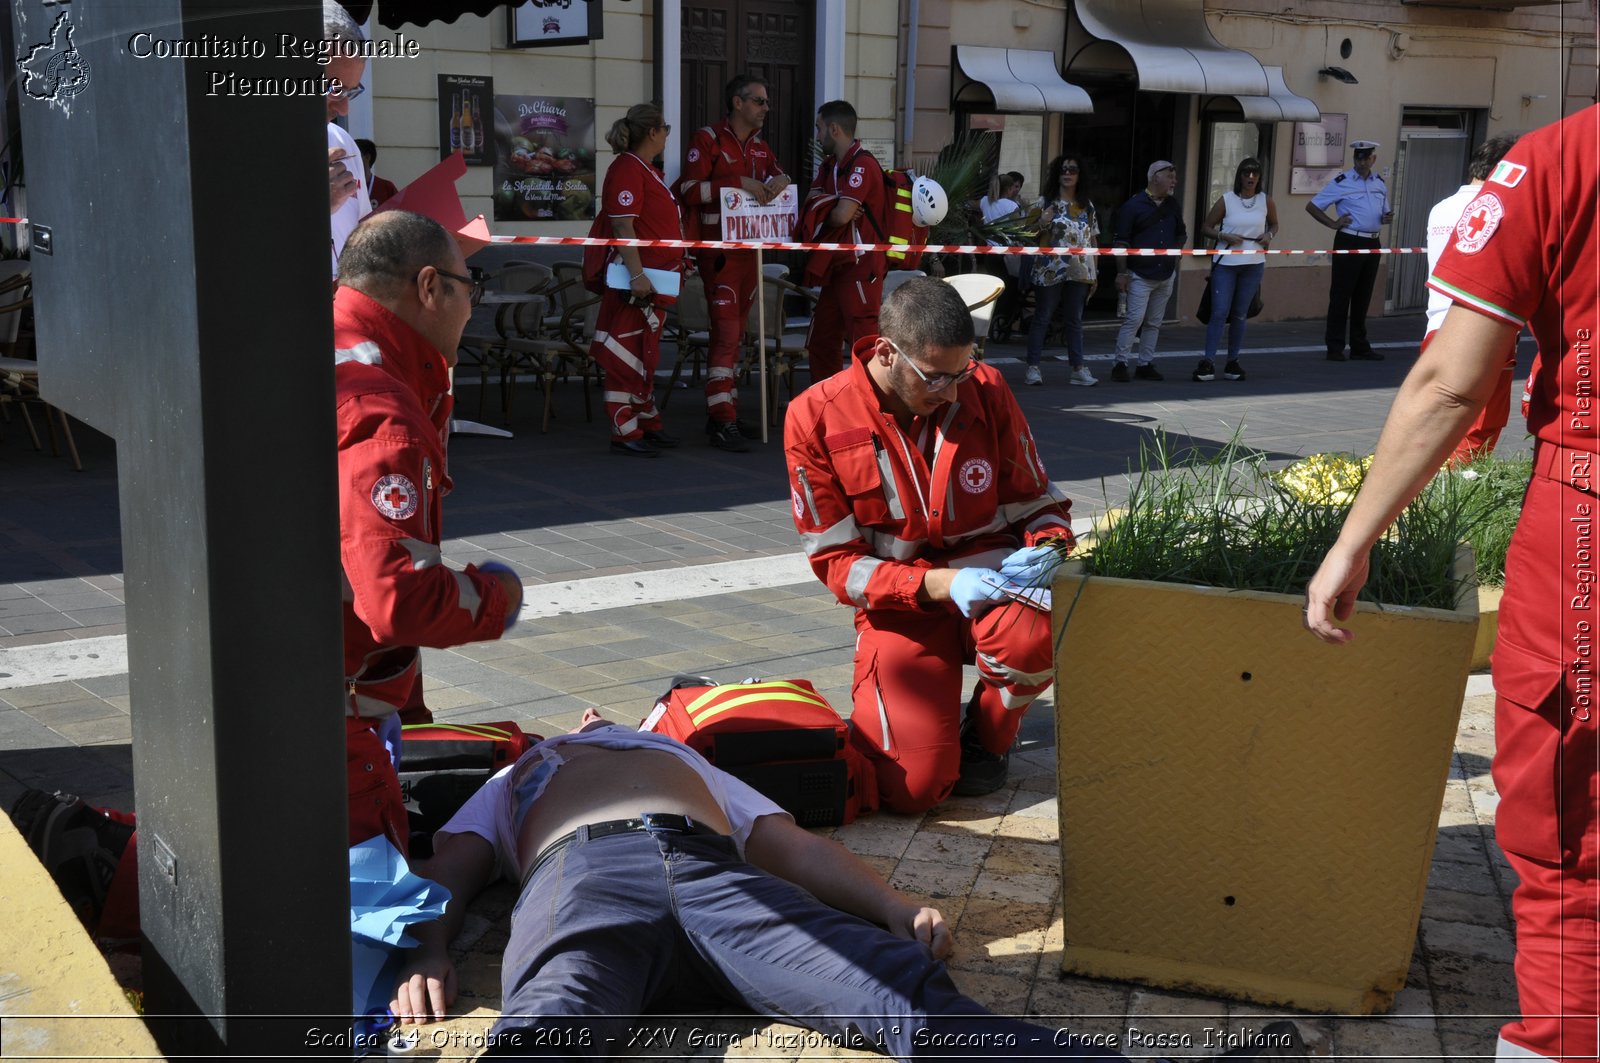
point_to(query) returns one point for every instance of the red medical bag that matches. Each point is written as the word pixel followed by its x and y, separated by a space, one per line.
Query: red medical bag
pixel 779 736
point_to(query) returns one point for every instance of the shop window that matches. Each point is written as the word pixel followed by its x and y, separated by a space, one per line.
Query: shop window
pixel 1225 142
pixel 1021 138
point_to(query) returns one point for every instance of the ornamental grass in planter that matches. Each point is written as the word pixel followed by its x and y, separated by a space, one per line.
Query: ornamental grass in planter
pixel 1246 810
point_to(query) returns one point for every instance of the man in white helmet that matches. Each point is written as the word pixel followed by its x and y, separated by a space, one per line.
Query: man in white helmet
pixel 921 501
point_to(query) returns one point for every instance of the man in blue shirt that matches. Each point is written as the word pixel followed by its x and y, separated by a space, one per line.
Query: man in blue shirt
pixel 1360 200
pixel 1152 218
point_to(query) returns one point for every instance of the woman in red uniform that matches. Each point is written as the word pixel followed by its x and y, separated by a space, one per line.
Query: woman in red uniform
pixel 627 336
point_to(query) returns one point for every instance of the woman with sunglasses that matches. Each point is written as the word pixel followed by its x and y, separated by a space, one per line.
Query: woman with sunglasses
pixel 1245 219
pixel 1066 219
pixel 636 204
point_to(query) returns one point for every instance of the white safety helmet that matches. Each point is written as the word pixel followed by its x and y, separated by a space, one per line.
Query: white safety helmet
pixel 929 204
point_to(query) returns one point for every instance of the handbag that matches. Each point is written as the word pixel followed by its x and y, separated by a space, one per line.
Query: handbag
pixel 1202 312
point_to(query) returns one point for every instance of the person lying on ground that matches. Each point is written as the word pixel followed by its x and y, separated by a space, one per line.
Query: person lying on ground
pixel 654 881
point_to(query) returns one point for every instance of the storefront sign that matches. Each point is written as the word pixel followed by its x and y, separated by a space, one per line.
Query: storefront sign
pixel 545 168
pixel 465 118
pixel 1318 153
pixel 743 218
pixel 536 26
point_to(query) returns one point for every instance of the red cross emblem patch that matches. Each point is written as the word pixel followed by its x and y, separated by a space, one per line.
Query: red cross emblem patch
pixel 976 475
pixel 395 496
pixel 625 198
pixel 1478 222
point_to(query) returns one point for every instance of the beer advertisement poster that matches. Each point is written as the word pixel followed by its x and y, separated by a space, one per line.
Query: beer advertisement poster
pixel 545 166
pixel 466 118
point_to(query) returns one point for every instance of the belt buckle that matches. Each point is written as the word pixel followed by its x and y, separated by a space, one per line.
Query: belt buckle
pixel 668 821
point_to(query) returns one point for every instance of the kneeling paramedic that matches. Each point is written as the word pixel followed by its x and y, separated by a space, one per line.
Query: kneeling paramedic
pixel 915 480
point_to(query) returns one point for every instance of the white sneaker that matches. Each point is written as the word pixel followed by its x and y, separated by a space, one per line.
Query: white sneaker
pixel 1032 376
pixel 1082 378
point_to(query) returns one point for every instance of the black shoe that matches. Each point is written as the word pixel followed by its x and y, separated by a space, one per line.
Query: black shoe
pixel 1147 372
pixel 726 436
pixel 982 772
pixel 634 448
pixel 1119 373
pixel 1275 1040
pixel 1337 355
pixel 1204 371
pixel 1233 371
pixel 1367 355
pixel 661 441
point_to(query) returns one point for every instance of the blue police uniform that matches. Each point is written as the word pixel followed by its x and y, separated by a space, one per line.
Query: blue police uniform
pixel 1366 201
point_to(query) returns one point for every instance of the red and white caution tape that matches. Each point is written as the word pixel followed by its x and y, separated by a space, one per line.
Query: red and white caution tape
pixel 951 249
pixel 928 249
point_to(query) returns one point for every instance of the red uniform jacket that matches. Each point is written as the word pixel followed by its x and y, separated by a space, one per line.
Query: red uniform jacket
pixel 635 189
pixel 393 400
pixel 717 160
pixel 874 512
pixel 858 177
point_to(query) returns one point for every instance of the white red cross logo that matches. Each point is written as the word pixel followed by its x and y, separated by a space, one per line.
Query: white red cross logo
pixel 394 496
pixel 976 475
pixel 1478 222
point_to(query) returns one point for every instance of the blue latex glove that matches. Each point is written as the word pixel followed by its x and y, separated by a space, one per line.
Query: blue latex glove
pixel 1032 566
pixel 976 589
pixel 499 566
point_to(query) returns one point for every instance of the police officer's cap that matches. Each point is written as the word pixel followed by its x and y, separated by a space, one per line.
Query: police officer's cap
pixel 1365 147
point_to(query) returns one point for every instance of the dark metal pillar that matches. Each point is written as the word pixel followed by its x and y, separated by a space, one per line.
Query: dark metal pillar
pixel 182 301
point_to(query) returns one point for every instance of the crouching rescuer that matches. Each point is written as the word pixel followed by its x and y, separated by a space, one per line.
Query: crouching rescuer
pixel 921 501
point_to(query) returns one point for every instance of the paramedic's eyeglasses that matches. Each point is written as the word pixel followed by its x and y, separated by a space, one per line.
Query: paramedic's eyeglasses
pixel 759 101
pixel 938 381
pixel 474 287
pixel 339 88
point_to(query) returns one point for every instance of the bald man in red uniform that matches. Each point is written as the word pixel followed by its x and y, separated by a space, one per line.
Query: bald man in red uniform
pixel 1524 252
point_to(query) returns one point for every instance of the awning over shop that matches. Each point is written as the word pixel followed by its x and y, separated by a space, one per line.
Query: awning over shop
pixel 1171 47
pixel 1019 79
pixel 1280 104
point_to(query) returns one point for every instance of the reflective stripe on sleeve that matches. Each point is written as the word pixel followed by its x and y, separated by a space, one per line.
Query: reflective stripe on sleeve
pixel 855 584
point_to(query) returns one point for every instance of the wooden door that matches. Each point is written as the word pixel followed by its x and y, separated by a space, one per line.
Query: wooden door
pixel 768 38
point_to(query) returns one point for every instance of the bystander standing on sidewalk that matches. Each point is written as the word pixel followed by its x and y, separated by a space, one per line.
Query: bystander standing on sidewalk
pixel 1245 219
pixel 1151 218
pixel 1066 219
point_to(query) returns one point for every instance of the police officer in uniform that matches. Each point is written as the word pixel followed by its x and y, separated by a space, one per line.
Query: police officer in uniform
pixel 1360 200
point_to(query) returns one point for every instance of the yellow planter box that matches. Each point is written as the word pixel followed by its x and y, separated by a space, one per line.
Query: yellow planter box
pixel 1245 810
pixel 1488 626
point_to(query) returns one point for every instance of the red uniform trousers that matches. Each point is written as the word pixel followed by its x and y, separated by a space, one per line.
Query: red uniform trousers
pixel 627 345
pixel 730 278
pixel 1547 764
pixel 846 310
pixel 908 694
pixel 1485 431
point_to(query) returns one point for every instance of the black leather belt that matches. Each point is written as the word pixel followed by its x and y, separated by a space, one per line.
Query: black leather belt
pixel 648 821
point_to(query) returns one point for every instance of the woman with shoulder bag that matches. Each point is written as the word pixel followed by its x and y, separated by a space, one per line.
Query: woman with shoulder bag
pixel 1066 219
pixel 1244 219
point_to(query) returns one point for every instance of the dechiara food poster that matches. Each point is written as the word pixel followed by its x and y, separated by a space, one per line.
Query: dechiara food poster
pixel 544 158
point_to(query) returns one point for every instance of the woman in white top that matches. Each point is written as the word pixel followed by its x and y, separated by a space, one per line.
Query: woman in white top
pixel 1002 198
pixel 1244 219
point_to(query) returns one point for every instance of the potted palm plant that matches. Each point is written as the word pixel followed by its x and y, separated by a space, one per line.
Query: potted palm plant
pixel 1244 809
